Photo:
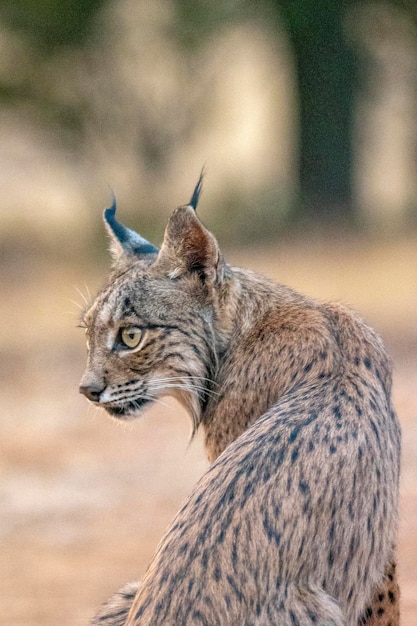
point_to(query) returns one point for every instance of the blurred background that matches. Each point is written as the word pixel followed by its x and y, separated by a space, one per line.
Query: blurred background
pixel 304 115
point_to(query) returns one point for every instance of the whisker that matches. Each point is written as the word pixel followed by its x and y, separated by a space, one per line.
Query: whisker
pixel 175 383
pixel 191 388
pixel 88 292
pixel 151 399
pixel 162 403
pixel 82 296
pixel 203 378
pixel 189 379
pixel 77 304
pixel 142 396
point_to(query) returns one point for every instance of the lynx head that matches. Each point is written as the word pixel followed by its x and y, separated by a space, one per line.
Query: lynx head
pixel 152 330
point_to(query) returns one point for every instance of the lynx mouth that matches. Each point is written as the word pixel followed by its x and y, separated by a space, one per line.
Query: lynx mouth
pixel 127 410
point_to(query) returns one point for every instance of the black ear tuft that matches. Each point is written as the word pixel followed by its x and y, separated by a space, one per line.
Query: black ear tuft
pixel 197 191
pixel 124 242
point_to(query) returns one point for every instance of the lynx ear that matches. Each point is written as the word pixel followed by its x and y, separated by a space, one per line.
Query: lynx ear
pixel 124 243
pixel 188 247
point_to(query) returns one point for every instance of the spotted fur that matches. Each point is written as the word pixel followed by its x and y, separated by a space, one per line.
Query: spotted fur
pixel 295 522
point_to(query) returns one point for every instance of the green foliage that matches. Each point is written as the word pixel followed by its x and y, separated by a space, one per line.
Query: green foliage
pixel 327 70
pixel 197 20
pixel 50 24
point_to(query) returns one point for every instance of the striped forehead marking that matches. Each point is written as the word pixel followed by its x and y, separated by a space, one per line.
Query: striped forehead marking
pixel 105 310
pixel 106 314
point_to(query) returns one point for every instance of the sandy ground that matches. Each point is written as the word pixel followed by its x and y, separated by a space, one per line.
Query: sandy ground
pixel 85 500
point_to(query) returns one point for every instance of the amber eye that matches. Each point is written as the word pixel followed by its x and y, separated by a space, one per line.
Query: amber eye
pixel 131 336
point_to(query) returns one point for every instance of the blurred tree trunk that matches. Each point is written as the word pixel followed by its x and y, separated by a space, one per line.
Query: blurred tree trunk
pixel 326 75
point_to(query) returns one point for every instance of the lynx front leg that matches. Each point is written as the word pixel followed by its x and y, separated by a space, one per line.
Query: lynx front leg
pixel 114 612
pixel 384 608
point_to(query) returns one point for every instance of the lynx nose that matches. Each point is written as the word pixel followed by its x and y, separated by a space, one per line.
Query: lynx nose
pixel 92 392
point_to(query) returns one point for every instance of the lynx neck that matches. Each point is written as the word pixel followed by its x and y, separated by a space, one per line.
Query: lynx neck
pixel 277 340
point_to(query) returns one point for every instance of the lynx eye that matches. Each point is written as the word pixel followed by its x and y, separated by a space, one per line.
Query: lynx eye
pixel 131 337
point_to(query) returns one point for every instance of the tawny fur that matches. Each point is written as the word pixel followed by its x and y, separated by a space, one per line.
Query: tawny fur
pixel 296 520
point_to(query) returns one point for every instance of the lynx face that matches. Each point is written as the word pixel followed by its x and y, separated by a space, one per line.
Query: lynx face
pixel 151 330
pixel 136 354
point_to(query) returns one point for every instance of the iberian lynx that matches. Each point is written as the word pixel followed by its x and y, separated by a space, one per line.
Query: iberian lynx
pixel 295 522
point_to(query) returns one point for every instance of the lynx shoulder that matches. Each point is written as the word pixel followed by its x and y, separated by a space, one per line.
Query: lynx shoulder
pixel 295 522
